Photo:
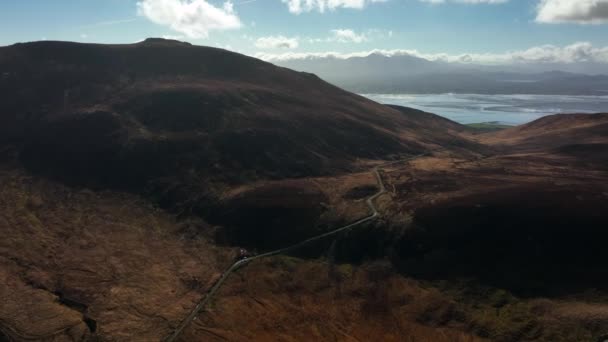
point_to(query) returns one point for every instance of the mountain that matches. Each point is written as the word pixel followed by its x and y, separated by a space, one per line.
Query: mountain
pixel 375 66
pixel 509 247
pixel 539 202
pixel 378 73
pixel 131 177
pixel 561 132
pixel 177 118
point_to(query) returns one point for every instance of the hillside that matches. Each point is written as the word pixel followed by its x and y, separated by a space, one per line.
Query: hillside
pixel 79 265
pixel 131 176
pixel 164 115
pixel 536 207
pixel 560 131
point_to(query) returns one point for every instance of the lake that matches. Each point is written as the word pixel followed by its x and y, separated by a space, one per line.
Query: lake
pixel 504 109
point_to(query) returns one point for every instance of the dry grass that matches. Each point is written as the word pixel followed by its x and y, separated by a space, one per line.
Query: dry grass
pixel 288 299
pixel 114 259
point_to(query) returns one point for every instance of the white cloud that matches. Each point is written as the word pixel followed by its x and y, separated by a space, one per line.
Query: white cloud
pixel 193 18
pixel 573 11
pixel 348 36
pixel 578 52
pixel 472 2
pixel 300 6
pixel 276 42
pixel 173 37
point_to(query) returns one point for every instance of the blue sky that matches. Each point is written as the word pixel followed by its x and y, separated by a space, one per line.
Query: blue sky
pixel 267 27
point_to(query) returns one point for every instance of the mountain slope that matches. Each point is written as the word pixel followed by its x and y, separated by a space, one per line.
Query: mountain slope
pixel 203 131
pixel 166 114
pixel 563 132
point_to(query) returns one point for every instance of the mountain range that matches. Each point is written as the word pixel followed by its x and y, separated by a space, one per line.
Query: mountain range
pixel 380 73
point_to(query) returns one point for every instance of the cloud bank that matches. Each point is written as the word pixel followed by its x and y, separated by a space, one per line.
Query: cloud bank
pixel 573 11
pixel 346 36
pixel 300 6
pixel 473 2
pixel 574 53
pixel 193 18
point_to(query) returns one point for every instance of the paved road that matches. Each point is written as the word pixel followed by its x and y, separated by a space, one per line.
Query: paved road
pixel 374 214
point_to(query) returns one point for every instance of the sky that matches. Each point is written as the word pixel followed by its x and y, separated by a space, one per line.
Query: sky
pixel 485 31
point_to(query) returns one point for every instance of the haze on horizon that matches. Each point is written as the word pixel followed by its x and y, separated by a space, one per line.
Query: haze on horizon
pixel 539 35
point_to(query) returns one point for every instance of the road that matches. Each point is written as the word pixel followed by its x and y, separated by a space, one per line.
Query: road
pixel 374 214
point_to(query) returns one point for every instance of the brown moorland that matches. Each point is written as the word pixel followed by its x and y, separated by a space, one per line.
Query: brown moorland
pixel 77 264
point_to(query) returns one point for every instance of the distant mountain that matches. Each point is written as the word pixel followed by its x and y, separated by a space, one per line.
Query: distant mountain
pixel 374 66
pixel 378 73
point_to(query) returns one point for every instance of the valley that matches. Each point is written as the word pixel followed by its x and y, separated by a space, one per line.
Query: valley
pixel 131 175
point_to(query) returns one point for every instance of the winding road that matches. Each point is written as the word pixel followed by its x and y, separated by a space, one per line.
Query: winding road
pixel 211 293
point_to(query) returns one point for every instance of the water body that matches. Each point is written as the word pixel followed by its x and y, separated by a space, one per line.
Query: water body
pixel 504 109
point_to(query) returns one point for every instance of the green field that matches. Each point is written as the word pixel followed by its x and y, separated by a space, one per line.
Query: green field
pixel 488 126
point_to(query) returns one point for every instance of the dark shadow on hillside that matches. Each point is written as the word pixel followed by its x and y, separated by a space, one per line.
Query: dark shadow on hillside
pixel 541 241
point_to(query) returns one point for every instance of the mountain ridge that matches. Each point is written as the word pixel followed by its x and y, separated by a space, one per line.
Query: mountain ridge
pixel 129 116
pixel 411 74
